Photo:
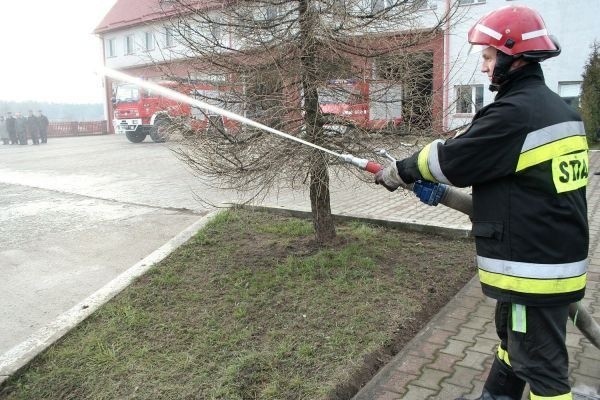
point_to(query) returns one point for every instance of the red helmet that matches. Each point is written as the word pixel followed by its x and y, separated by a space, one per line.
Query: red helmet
pixel 515 30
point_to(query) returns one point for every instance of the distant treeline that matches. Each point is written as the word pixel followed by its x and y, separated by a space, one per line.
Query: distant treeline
pixel 56 111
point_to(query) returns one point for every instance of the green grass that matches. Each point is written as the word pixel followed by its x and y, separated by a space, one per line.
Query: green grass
pixel 251 308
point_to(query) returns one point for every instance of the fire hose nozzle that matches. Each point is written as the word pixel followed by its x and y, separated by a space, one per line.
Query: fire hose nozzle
pixel 362 163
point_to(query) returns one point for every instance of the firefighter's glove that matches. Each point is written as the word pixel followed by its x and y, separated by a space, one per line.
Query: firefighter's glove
pixel 389 177
pixel 430 193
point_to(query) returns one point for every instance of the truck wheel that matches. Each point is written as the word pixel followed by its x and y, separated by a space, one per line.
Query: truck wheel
pixel 160 130
pixel 136 136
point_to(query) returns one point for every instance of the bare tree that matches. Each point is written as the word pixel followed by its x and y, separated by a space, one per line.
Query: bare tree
pixel 281 63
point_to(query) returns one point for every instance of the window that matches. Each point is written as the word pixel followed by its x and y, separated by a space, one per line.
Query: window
pixel 169 36
pixel 339 4
pixel 569 91
pixel 274 11
pixel 424 4
pixel 469 99
pixel 465 2
pixel 216 30
pixel 111 48
pixel 148 41
pixel 128 44
pixel 380 5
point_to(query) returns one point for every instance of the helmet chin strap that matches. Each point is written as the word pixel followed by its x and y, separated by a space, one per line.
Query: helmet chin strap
pixel 501 70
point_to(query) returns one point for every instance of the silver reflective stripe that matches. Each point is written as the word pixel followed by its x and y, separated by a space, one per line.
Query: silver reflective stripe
pixel 433 163
pixel 534 34
pixel 519 318
pixel 532 270
pixel 488 31
pixel 552 133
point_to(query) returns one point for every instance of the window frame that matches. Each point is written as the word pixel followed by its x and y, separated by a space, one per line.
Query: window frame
pixel 570 99
pixel 379 5
pixel 129 44
pixel 470 2
pixel 111 48
pixel 169 36
pixel 149 41
pixel 274 11
pixel 476 99
pixel 217 30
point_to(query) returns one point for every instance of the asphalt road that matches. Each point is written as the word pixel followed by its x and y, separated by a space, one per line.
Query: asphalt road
pixel 77 212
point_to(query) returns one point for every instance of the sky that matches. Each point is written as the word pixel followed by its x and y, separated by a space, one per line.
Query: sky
pixel 49 52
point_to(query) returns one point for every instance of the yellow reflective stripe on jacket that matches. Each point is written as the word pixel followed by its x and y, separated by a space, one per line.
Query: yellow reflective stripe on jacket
pixel 503 355
pixel 552 133
pixel 422 163
pixel 567 396
pixel 548 151
pixel 552 141
pixel 532 285
pixel 429 163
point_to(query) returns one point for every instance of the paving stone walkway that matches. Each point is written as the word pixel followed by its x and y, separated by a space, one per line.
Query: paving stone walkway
pixel 452 355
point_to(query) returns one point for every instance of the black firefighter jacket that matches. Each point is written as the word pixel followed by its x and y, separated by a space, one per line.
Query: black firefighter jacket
pixel 525 156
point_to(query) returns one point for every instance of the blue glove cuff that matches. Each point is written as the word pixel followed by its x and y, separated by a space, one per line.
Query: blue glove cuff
pixel 429 193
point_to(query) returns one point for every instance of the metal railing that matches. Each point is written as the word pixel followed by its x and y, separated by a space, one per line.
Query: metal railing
pixel 76 128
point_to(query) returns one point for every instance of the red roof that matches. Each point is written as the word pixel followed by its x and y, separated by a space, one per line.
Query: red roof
pixel 126 13
pixel 130 12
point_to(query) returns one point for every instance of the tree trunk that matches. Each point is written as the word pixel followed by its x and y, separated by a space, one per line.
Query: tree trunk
pixel 320 201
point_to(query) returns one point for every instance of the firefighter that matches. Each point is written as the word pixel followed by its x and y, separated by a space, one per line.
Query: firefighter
pixel 21 129
pixel 3 131
pixel 10 127
pixel 43 124
pixel 33 128
pixel 525 156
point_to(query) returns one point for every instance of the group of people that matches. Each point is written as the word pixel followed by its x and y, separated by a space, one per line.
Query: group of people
pixel 18 129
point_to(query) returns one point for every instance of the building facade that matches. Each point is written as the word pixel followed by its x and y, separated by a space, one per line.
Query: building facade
pixel 139 34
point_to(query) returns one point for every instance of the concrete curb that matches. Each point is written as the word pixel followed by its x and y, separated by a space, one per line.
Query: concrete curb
pixel 20 355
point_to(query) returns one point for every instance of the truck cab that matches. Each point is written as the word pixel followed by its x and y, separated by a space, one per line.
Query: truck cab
pixel 139 112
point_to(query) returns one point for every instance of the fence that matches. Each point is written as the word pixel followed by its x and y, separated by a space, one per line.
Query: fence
pixel 75 128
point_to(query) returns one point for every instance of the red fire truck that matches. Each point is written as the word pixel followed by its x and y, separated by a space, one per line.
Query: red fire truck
pixel 139 112
pixel 347 103
pixel 366 105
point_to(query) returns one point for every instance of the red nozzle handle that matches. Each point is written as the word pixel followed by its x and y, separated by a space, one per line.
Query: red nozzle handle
pixel 373 167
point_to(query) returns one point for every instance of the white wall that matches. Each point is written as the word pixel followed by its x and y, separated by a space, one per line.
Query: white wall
pixel 574 23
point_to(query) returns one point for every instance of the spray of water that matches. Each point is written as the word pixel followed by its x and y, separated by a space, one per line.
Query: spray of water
pixel 174 95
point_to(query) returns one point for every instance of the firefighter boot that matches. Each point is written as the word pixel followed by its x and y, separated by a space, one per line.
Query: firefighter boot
pixel 501 384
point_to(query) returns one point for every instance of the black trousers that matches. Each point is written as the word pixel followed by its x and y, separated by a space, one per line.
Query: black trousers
pixel 533 345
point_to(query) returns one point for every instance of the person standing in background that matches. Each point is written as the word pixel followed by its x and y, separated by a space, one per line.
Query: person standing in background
pixel 33 128
pixel 3 131
pixel 10 127
pixel 43 125
pixel 21 129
